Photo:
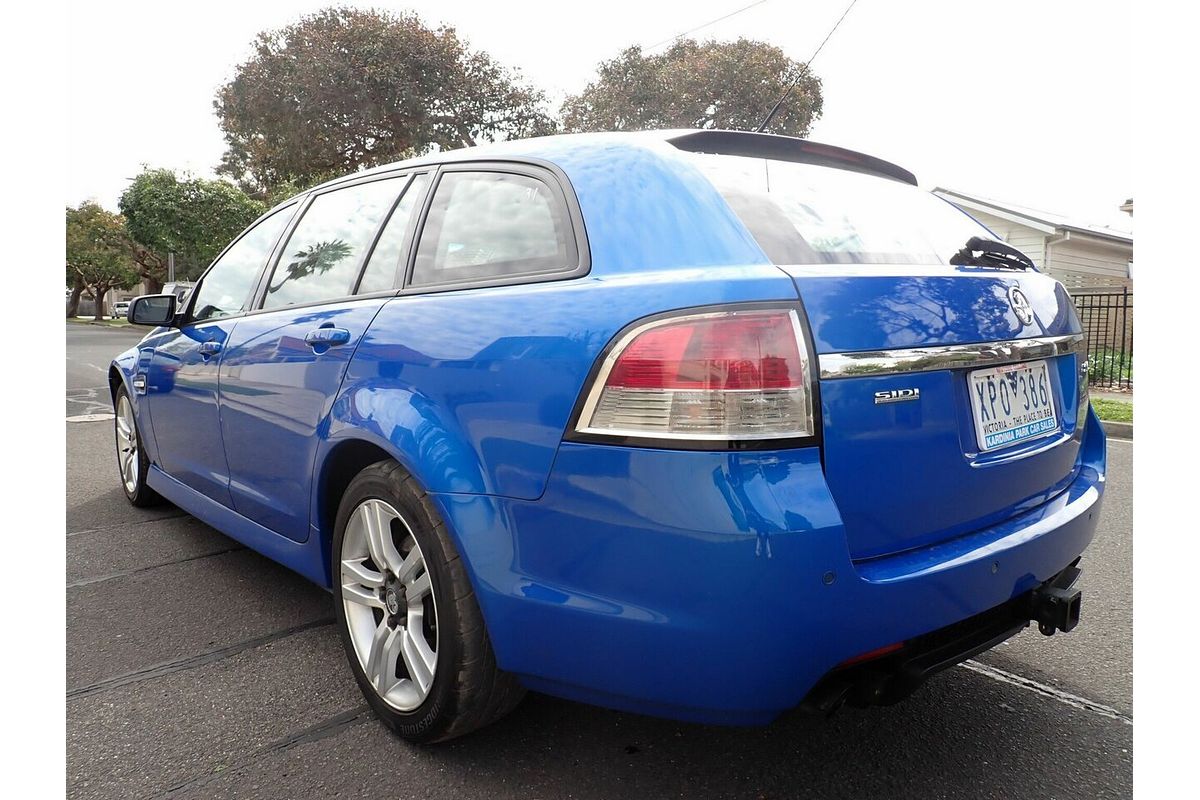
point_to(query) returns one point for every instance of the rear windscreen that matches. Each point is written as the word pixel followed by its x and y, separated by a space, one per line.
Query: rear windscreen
pixel 807 214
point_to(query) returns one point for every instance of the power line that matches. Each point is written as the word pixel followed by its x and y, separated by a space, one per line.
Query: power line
pixel 771 114
pixel 705 25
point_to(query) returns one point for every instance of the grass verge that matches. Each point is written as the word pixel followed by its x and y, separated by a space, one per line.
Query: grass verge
pixel 1113 410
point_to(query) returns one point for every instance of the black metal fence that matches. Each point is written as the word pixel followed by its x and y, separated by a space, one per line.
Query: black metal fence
pixel 1107 317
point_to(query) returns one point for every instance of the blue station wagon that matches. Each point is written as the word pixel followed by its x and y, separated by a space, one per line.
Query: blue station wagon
pixel 701 424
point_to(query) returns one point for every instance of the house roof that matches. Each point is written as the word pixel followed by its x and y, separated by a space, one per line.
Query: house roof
pixel 1044 221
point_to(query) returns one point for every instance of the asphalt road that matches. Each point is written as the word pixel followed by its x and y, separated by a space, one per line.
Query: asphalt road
pixel 199 669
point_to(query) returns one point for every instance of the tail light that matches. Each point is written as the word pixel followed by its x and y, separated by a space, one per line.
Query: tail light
pixel 724 375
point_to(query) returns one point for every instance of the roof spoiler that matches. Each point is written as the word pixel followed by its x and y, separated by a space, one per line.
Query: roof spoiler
pixel 788 148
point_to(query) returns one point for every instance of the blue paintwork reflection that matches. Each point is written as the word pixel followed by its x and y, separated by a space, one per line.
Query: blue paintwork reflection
pixel 1082 494
pixel 860 312
pixel 908 474
pixel 181 388
pixel 276 394
pixel 474 389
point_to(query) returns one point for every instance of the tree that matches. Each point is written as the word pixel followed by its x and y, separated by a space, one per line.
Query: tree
pixel 344 89
pixel 279 192
pixel 191 217
pixel 728 85
pixel 75 281
pixel 99 253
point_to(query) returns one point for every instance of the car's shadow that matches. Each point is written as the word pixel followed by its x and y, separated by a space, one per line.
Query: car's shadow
pixel 961 735
pixel 112 509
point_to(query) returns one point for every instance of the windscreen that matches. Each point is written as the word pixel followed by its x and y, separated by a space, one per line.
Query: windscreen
pixel 808 214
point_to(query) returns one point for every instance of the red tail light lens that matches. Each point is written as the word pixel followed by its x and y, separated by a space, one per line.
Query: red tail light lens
pixel 719 375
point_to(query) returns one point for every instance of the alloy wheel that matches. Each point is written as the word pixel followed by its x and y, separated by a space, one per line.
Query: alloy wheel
pixel 391 614
pixel 127 445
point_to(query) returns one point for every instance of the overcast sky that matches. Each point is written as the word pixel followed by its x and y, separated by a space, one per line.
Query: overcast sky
pixel 1023 100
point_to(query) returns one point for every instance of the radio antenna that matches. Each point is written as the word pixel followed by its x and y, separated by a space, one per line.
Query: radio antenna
pixel 775 108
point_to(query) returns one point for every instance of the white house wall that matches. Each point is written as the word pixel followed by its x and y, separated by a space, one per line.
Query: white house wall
pixel 1081 262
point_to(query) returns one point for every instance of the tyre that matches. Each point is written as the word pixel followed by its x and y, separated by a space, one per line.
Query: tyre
pixel 132 461
pixel 408 618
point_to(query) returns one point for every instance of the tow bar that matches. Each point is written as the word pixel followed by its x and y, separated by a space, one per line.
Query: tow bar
pixel 1054 606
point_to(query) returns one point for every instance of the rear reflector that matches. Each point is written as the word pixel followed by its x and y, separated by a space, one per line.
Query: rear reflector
pixel 870 655
pixel 711 376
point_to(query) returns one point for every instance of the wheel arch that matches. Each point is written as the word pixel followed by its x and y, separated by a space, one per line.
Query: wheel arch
pixel 119 378
pixel 116 379
pixel 341 462
pixel 337 464
pixel 371 421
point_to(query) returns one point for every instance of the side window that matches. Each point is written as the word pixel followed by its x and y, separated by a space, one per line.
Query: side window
pixel 226 286
pixel 321 258
pixel 487 225
pixel 390 251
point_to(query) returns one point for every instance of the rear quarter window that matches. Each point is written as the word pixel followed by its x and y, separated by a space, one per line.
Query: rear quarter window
pixel 485 226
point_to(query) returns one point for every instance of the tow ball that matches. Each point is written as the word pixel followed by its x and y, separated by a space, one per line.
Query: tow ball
pixel 1054 605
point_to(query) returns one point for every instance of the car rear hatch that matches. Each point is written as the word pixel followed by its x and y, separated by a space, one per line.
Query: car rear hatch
pixel 904 456
pixel 950 389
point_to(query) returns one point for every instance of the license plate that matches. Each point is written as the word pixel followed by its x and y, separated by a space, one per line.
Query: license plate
pixel 1012 403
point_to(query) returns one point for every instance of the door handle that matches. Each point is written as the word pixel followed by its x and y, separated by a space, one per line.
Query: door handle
pixel 209 349
pixel 327 337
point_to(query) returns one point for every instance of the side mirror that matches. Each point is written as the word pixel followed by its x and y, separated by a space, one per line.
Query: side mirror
pixel 152 309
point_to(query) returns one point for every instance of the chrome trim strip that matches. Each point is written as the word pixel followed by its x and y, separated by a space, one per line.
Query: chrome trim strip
pixel 954 356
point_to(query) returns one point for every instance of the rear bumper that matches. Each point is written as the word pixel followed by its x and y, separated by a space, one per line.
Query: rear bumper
pixel 718 587
pixel 888 676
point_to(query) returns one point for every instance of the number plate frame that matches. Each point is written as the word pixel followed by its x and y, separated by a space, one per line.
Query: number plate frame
pixel 1025 388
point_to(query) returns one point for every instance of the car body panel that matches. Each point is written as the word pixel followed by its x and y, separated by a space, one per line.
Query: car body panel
pixel 688 584
pixel 927 479
pixel 647 209
pixel 916 455
pixel 866 308
pixel 276 393
pixel 182 386
pixel 481 407
pixel 122 373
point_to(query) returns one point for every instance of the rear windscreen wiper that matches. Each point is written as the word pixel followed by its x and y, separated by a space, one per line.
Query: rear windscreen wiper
pixel 981 252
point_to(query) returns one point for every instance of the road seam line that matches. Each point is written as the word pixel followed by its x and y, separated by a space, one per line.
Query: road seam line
pixel 111 576
pixel 1073 700
pixel 191 662
pixel 116 525
pixel 329 727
